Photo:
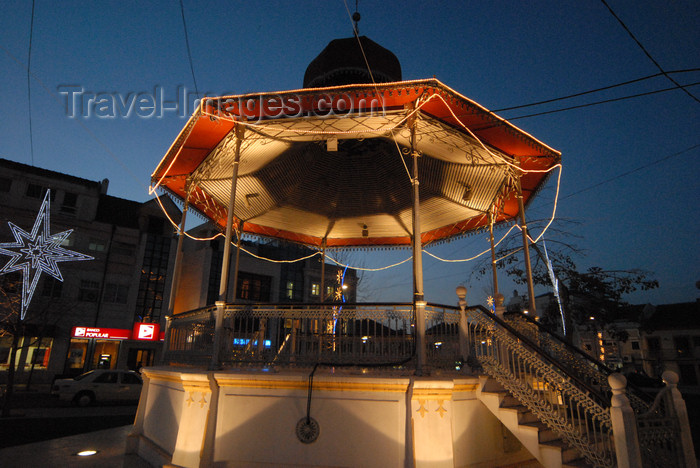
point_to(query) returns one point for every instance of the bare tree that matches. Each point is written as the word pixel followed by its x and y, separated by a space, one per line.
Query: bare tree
pixel 595 292
pixel 42 318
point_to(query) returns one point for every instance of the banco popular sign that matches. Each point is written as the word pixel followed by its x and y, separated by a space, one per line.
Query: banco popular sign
pixel 141 331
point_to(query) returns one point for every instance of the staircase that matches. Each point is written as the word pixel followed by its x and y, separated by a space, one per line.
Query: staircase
pixel 541 441
pixel 567 409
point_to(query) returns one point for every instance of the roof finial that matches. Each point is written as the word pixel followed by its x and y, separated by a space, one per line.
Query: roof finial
pixel 356 19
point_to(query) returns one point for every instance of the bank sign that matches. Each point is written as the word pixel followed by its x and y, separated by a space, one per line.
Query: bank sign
pixel 141 332
pixel 94 332
pixel 146 331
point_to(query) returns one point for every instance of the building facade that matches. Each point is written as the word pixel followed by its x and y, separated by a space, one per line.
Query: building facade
pixel 269 271
pixel 107 312
pixel 642 341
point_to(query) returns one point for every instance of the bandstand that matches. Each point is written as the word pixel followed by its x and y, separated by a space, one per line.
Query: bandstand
pixel 360 159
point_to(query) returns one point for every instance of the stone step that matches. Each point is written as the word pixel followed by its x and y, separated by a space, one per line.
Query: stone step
pixel 567 453
pixel 549 441
pixel 545 434
pixel 524 414
pixel 577 463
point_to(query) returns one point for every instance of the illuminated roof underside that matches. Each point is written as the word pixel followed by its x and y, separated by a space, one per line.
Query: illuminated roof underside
pixel 295 182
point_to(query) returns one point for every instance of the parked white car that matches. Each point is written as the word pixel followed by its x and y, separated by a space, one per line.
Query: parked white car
pixel 99 385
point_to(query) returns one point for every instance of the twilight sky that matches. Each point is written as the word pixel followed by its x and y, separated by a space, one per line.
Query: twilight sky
pixel 630 166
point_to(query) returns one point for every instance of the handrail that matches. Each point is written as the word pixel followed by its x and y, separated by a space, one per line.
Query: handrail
pixel 657 425
pixel 317 305
pixel 640 399
pixel 568 345
pixel 299 334
pixel 560 400
pixel 292 306
pixel 602 399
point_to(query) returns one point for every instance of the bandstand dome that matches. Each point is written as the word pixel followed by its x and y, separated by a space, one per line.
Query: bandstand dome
pixel 344 62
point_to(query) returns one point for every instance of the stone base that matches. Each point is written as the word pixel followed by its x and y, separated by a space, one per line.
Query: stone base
pixel 194 418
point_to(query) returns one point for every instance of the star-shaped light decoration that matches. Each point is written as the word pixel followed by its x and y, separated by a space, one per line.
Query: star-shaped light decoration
pixel 491 304
pixel 36 252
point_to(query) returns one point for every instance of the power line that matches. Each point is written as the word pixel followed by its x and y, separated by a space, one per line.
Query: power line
pixel 646 52
pixel 648 93
pixel 189 53
pixel 29 84
pixel 604 88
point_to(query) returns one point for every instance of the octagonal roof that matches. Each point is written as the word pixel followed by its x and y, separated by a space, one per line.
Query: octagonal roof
pixel 333 164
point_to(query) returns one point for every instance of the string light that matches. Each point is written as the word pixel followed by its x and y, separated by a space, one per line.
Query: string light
pixel 555 285
pixel 368 269
pixel 474 257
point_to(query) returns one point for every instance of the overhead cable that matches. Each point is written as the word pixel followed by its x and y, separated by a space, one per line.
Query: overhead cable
pixel 646 52
pixel 648 93
pixel 29 84
pixel 189 53
pixel 604 88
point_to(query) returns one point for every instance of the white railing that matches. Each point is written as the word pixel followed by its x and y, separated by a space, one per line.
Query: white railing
pixel 664 430
pixel 309 334
pixel 576 361
pixel 190 337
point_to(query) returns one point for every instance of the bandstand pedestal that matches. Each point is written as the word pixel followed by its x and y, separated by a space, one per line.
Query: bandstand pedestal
pixel 194 418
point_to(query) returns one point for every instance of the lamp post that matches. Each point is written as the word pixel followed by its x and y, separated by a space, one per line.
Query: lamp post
pixel 463 326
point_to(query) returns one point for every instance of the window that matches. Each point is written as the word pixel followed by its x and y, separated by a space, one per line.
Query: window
pixel 38 352
pixel 123 248
pixel 52 287
pixel 653 343
pixel 11 282
pixel 682 345
pixel 635 344
pixel 5 184
pixel 96 245
pixel 68 242
pixel 253 287
pixel 131 379
pixel 156 225
pixel 70 201
pixel 35 191
pixel 330 292
pixel 116 293
pixel 107 377
pixel 688 374
pixel 244 290
pixel 38 191
pixel 89 291
pixel 149 300
pixel 315 289
pixel 292 283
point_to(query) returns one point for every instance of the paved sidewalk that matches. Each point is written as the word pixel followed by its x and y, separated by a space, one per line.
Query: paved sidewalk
pixel 61 453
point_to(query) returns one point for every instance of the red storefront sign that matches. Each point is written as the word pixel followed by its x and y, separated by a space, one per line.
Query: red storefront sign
pixel 95 332
pixel 141 332
pixel 146 332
